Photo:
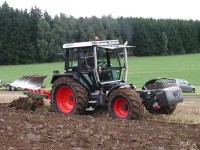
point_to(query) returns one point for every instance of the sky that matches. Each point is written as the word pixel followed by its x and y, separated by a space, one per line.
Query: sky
pixel 165 9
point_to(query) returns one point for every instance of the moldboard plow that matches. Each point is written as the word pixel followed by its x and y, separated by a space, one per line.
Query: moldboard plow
pixel 32 85
pixel 26 82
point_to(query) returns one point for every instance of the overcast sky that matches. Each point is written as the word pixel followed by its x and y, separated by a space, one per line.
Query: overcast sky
pixel 175 9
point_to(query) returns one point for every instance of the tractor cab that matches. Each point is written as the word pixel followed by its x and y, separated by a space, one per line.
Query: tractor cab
pixel 97 63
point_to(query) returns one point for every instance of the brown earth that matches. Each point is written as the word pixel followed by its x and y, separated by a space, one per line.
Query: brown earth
pixel 25 129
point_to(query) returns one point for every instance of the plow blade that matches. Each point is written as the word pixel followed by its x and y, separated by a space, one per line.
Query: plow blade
pixel 29 82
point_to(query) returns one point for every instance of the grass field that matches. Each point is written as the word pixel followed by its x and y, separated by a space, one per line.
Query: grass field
pixel 141 69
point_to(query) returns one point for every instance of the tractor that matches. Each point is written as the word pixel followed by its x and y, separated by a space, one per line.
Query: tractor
pixel 95 76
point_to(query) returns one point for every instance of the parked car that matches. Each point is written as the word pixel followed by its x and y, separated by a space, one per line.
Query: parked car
pixel 183 84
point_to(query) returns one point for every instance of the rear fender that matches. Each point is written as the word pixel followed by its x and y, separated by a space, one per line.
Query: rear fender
pixel 56 76
pixel 75 76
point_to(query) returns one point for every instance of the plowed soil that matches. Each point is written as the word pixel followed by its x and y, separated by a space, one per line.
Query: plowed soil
pixel 25 129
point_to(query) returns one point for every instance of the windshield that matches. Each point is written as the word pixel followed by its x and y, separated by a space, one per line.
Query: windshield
pixel 110 64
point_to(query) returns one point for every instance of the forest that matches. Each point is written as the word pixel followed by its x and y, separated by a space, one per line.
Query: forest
pixel 28 37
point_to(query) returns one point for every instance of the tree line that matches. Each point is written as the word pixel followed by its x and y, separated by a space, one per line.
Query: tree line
pixel 34 37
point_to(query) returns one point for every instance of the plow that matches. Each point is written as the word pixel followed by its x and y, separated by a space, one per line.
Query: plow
pixel 95 76
pixel 38 96
pixel 26 82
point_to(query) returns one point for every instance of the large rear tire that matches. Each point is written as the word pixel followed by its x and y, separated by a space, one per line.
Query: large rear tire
pixel 68 96
pixel 124 103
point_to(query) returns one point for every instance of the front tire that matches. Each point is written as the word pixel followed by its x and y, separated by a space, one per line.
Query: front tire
pixel 124 103
pixel 8 87
pixel 13 88
pixel 69 96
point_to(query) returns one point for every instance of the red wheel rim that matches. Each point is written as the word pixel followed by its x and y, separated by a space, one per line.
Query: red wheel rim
pixel 121 108
pixel 65 99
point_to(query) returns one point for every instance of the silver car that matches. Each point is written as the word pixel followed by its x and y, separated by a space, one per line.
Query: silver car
pixel 183 84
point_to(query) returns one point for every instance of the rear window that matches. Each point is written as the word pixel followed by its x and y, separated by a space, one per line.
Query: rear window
pixel 171 81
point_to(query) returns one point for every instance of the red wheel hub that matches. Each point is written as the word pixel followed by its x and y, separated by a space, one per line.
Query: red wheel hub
pixel 121 108
pixel 65 99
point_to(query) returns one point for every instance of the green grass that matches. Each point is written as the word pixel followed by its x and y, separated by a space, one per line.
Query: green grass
pixel 141 69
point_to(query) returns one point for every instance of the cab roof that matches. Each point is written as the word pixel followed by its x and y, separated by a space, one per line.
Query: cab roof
pixel 91 43
pixel 108 44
